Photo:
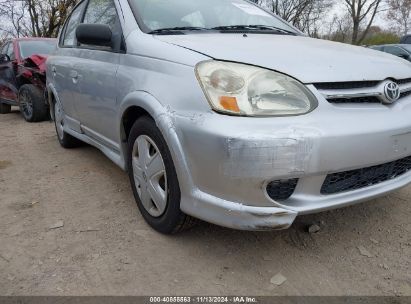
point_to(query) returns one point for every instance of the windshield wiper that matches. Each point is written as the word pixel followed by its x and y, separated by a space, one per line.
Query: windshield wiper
pixel 254 27
pixel 179 29
pixel 226 28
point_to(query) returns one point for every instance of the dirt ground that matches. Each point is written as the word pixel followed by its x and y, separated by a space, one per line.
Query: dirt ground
pixel 105 248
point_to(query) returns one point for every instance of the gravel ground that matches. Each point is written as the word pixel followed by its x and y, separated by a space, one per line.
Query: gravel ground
pixel 69 226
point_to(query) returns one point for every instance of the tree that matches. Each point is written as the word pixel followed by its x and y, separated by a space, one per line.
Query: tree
pixel 311 18
pixel 37 18
pixel 12 14
pixel 305 15
pixel 398 14
pixel 3 37
pixel 340 29
pixel 363 13
pixel 48 16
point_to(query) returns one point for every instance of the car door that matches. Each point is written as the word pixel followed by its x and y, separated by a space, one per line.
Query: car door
pixel 8 85
pixel 94 74
pixel 61 64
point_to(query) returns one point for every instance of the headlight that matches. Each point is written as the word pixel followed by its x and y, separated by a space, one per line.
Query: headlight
pixel 241 89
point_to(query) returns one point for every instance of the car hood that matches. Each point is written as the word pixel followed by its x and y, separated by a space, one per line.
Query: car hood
pixel 37 62
pixel 307 59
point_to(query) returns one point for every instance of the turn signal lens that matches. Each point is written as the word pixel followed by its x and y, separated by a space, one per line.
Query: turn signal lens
pixel 229 103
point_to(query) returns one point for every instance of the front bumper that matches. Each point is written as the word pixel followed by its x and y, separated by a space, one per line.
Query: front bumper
pixel 224 163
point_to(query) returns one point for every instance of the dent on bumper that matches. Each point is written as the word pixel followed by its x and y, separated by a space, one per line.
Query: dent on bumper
pixel 223 163
pixel 234 215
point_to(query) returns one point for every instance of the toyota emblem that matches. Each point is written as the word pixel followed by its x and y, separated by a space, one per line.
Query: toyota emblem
pixel 392 92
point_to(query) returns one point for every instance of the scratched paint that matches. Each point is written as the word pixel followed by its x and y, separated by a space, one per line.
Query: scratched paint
pixel 283 153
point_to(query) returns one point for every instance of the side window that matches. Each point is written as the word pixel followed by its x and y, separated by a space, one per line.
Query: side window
pixel 101 12
pixel 5 48
pixel 70 30
pixel 104 12
pixel 394 50
pixel 10 51
pixel 408 40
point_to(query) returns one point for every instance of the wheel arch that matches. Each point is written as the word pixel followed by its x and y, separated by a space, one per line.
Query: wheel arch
pixel 140 103
pixel 23 80
pixel 129 117
pixel 52 98
pixel 134 106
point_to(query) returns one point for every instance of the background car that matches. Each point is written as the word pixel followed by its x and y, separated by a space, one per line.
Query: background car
pixel 400 50
pixel 406 39
pixel 23 76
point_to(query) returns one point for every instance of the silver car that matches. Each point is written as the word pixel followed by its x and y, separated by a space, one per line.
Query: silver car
pixel 221 111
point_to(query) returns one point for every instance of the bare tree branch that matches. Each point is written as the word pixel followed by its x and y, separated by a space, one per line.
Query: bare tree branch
pixel 362 12
pixel 398 14
pixel 38 18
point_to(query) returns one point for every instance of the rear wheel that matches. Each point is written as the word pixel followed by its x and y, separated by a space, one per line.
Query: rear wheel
pixel 66 140
pixel 32 104
pixel 154 180
pixel 5 108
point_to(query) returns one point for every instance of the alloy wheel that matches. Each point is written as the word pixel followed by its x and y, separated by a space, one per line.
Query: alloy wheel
pixel 26 104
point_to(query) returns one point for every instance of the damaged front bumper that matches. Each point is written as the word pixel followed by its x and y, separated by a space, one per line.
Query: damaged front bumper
pixel 225 163
pixel 234 215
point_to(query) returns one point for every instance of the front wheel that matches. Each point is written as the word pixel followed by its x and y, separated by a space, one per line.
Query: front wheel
pixel 154 180
pixel 32 104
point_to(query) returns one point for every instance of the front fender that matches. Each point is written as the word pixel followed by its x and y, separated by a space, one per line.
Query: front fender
pixel 164 117
pixel 51 93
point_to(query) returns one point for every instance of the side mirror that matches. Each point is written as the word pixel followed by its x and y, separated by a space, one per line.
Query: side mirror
pixel 4 58
pixel 94 34
pixel 404 56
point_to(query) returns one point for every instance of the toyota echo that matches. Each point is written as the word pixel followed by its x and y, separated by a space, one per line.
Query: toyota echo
pixel 221 111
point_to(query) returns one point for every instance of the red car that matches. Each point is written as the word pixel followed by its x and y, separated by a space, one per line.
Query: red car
pixel 23 76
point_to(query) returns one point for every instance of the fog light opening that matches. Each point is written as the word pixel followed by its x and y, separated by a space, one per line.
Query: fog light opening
pixel 281 190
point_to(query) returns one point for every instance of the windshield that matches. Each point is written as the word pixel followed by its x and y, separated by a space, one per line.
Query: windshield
pixel 36 47
pixel 160 14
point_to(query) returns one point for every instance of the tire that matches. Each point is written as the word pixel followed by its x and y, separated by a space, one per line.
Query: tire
pixel 168 218
pixel 66 140
pixel 5 108
pixel 32 104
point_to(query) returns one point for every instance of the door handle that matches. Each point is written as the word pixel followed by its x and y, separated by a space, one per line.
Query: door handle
pixel 74 74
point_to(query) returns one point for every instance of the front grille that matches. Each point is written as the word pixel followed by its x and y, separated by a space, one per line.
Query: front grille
pixel 281 190
pixel 405 94
pixel 354 84
pixel 404 81
pixel 345 85
pixel 341 88
pixel 361 178
pixel 367 99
